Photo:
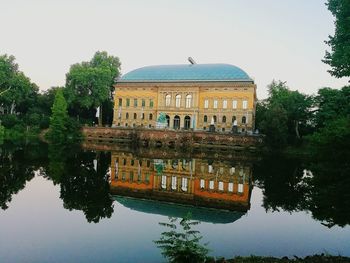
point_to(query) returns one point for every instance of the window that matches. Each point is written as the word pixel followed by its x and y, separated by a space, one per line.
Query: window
pixel 142 116
pixel 150 116
pixel 132 162
pixel 210 169
pixel 184 184
pixel 123 176
pixel 240 188
pixel 214 118
pixel 245 104
pixel 173 182
pixel 206 104
pixel 151 103
pixel 135 116
pixel 215 104
pixel 163 183
pixel 143 102
pixel 221 186
pixel 224 104
pixel 230 187
pixel 244 120
pixel 205 118
pixel 202 184
pixel 139 177
pixel 211 185
pixel 234 104
pixel 135 102
pixel 131 176
pixel 120 102
pixel 127 102
pixel 232 170
pixel 167 100
pixel 224 119
pixel 127 115
pixel 188 101
pixel 178 101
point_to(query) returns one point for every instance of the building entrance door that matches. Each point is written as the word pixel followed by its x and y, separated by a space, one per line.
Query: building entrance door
pixel 168 120
pixel 176 122
pixel 187 123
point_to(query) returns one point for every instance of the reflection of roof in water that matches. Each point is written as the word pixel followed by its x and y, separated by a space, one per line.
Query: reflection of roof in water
pixel 215 216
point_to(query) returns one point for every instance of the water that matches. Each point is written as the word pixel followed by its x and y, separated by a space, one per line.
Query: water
pixel 72 205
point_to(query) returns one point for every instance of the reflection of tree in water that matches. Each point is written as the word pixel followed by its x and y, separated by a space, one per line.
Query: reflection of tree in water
pixel 17 166
pixel 324 192
pixel 82 187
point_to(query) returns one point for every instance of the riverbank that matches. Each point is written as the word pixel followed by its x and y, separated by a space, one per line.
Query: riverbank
pixel 309 259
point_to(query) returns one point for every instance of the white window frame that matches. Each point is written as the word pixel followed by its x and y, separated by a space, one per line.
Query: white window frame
pixel 167 100
pixel 240 188
pixel 163 183
pixel 206 104
pixel 189 101
pixel 230 187
pixel 173 182
pixel 224 104
pixel 221 186
pixel 211 185
pixel 184 184
pixel 178 101
pixel 234 104
pixel 215 104
pixel 245 104
pixel 202 184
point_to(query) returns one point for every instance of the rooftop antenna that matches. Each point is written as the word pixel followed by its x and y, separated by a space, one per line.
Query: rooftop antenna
pixel 191 60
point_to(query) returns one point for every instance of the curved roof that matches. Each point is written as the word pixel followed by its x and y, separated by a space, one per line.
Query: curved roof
pixel 186 72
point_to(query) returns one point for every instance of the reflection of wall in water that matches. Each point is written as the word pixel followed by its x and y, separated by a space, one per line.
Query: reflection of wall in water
pixel 195 181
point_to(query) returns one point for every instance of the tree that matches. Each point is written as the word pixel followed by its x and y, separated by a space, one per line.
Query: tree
pixel 182 245
pixel 90 84
pixel 284 116
pixel 59 119
pixel 339 57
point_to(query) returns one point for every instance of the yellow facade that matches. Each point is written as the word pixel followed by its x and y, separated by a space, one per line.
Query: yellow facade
pixel 189 105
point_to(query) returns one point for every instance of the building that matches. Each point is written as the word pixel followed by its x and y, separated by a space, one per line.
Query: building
pixel 202 182
pixel 192 97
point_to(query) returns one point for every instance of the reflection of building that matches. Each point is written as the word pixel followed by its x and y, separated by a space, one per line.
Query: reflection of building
pixel 192 97
pixel 206 183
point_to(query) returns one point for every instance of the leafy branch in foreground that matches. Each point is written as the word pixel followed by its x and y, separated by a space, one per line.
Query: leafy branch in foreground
pixel 181 243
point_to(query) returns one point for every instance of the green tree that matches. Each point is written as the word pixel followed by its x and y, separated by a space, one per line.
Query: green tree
pixel 284 116
pixel 90 85
pixel 182 245
pixel 59 119
pixel 339 57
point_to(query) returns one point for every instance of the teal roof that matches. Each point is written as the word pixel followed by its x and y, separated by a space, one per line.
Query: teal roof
pixel 186 72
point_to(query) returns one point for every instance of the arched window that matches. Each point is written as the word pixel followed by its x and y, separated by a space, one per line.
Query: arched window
pixel 214 118
pixel 135 116
pixel 205 118
pixel 150 116
pixel 167 100
pixel 233 119
pixel 178 101
pixel 188 101
pixel 224 119
pixel 142 116
pixel 127 115
pixel 244 120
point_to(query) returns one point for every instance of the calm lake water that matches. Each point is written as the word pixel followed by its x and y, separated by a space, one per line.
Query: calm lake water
pixel 63 204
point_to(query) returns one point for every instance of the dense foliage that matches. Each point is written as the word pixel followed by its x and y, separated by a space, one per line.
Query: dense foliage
pixel 24 111
pixel 339 57
pixel 182 245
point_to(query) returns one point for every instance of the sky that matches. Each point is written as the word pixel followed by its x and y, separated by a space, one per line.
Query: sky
pixel 270 39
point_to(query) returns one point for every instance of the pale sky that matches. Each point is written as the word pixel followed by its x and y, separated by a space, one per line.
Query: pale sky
pixel 269 39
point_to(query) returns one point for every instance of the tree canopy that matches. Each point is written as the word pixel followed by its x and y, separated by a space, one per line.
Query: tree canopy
pixel 90 84
pixel 339 56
